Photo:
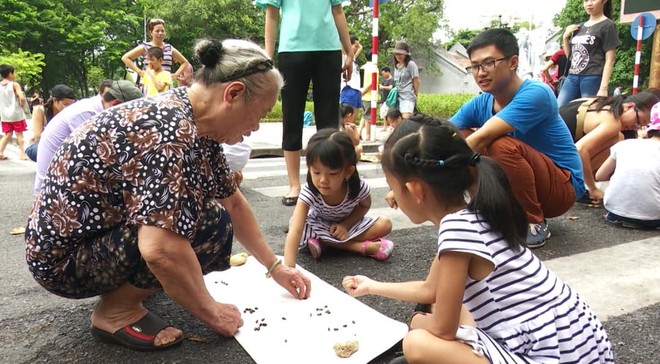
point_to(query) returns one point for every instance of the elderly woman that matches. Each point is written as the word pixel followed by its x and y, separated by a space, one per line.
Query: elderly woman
pixel 140 199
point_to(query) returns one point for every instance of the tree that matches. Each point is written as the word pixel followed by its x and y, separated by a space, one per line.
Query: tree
pixel 27 66
pixel 573 13
pixel 462 36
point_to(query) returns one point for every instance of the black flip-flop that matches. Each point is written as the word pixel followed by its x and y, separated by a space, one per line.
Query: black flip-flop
pixel 139 335
pixel 289 201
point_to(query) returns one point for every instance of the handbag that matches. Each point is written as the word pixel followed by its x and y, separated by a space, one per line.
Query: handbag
pixel 392 100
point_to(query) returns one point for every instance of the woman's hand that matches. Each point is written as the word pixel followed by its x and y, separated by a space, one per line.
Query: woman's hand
pixel 389 198
pixel 338 231
pixel 347 69
pixel 228 319
pixel 570 29
pixel 293 281
pixel 357 286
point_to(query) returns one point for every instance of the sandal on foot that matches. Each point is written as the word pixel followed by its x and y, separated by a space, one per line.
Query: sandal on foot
pixel 139 335
pixel 289 201
pixel 314 246
pixel 3 158
pixel 386 247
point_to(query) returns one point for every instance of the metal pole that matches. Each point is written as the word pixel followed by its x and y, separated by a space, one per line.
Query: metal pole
pixel 638 54
pixel 374 74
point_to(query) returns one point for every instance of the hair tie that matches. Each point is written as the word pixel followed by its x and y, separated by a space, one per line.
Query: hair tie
pixel 441 162
pixel 453 134
pixel 474 159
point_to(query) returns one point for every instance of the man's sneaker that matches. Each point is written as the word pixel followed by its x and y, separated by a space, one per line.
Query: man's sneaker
pixel 537 234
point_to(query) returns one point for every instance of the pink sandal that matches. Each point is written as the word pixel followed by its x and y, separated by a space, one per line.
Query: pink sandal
pixel 314 246
pixel 386 247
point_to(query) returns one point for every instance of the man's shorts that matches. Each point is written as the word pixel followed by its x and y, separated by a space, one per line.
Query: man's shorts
pixel 366 110
pixel 350 96
pixel 17 126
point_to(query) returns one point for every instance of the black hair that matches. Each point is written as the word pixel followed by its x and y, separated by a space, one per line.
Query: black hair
pixel 393 114
pixel 48 108
pixel 155 52
pixel 105 84
pixel 6 70
pixel 643 100
pixel 345 109
pixel 502 39
pixel 386 69
pixel 335 150
pixel 607 8
pixel 434 151
pixel 653 133
pixel 353 39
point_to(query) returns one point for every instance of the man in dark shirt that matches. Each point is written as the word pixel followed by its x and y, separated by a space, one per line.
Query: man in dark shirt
pixel 385 87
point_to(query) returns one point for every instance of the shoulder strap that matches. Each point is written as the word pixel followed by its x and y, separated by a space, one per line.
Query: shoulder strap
pixel 581 113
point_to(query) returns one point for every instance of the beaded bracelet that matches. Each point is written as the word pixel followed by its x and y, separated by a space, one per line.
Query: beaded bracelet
pixel 272 268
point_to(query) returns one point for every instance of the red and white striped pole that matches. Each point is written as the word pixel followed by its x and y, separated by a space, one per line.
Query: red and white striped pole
pixel 638 54
pixel 374 73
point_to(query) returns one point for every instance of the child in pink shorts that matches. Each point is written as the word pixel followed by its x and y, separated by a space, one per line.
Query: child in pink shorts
pixel 12 102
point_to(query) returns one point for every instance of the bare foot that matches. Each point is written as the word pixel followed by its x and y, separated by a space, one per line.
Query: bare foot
pixel 112 319
pixel 23 157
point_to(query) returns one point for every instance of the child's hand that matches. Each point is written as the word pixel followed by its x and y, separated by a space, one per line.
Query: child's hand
pixel 389 198
pixel 356 286
pixel 338 232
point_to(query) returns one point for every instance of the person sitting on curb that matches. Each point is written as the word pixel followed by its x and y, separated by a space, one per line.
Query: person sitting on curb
pixel 534 148
pixel 66 121
pixel 633 169
pixel 596 124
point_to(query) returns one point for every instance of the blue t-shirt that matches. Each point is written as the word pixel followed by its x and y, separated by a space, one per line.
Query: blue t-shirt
pixel 306 25
pixel 534 113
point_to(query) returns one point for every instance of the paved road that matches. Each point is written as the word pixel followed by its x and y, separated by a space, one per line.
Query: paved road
pixel 616 270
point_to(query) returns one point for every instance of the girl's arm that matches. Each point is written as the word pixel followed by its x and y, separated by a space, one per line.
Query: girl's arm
pixel 181 60
pixel 296 226
pixel 344 37
pixel 129 56
pixel 159 83
pixel 272 22
pixel 606 170
pixel 607 72
pixel 452 275
pixel 358 213
pixel 38 122
pixel 412 291
pixel 566 44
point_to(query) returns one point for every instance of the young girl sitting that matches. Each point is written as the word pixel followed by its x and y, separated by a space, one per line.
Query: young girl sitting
pixel 347 125
pixel 331 209
pixel 495 301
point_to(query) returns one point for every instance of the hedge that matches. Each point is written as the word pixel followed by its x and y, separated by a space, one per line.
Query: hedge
pixel 432 104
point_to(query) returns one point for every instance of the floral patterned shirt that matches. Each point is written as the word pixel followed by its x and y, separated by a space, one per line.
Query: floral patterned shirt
pixel 140 163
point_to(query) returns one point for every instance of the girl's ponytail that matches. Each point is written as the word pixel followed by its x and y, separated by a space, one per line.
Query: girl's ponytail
pixel 495 201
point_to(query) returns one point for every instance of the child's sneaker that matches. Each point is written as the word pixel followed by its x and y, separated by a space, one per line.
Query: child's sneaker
pixel 314 246
pixel 537 234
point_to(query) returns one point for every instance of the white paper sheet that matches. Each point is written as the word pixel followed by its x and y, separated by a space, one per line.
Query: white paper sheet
pixel 301 331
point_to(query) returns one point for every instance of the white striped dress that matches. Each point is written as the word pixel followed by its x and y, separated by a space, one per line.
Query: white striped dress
pixel 524 312
pixel 321 215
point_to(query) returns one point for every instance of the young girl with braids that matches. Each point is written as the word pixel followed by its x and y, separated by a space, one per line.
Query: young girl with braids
pixel 332 205
pixel 495 301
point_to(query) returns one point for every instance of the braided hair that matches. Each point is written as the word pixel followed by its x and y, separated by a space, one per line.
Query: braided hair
pixel 434 151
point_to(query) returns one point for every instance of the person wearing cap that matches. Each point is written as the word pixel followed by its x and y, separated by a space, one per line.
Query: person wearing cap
pixel 140 199
pixel 61 96
pixel 633 169
pixel 406 79
pixel 64 123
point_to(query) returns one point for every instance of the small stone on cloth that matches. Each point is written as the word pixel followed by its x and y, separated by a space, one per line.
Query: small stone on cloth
pixel 344 350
